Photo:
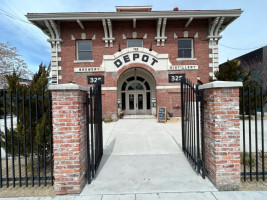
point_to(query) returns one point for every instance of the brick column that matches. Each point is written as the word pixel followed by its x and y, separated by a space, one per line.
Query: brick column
pixel 222 135
pixel 69 137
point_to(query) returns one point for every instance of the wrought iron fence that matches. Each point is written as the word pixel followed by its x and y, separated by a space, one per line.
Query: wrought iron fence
pixel 193 125
pixel 94 130
pixel 26 143
pixel 253 133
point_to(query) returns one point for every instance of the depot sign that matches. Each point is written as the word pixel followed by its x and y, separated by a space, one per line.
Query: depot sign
pixel 135 57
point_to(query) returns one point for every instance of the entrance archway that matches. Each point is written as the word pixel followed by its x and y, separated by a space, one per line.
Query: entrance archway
pixel 136 92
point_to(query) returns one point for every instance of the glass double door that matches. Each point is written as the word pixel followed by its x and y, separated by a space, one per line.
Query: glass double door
pixel 135 103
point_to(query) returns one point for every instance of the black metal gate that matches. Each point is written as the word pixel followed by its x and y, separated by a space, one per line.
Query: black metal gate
pixel 26 143
pixel 94 130
pixel 193 125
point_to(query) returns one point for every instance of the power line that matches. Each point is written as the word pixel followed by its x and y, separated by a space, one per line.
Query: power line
pixel 12 16
pixel 240 48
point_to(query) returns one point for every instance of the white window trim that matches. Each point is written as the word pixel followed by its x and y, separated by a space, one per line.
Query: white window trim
pixel 135 40
pixel 192 50
pixel 77 54
pixel 181 59
pixel 83 61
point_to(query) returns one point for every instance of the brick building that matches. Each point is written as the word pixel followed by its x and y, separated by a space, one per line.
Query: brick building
pixel 138 54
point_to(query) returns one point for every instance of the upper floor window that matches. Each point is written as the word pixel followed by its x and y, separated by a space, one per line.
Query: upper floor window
pixel 134 43
pixel 84 50
pixel 185 48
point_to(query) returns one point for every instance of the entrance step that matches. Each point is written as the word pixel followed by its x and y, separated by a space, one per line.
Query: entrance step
pixel 139 117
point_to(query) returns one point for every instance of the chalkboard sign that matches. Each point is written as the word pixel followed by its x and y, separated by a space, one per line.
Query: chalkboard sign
pixel 95 79
pixel 162 114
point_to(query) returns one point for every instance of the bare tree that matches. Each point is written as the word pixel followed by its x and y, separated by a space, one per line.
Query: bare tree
pixel 257 69
pixel 11 61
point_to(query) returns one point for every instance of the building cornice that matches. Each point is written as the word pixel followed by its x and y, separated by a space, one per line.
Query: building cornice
pixel 137 15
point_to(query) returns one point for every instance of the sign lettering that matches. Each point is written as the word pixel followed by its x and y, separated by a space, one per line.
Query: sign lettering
pixel 95 79
pixel 147 59
pixel 183 67
pixel 175 78
pixel 162 114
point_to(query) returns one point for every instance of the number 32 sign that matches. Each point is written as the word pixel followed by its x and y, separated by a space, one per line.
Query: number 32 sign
pixel 95 79
pixel 175 78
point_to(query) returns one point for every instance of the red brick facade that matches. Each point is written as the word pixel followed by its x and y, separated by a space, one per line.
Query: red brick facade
pixel 159 32
pixel 201 53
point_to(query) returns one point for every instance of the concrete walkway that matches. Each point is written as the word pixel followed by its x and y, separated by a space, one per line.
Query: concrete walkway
pixel 142 156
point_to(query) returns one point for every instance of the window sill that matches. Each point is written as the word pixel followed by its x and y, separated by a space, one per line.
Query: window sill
pixel 83 61
pixel 182 59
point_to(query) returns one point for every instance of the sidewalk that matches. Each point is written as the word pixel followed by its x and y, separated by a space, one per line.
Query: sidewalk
pixel 143 161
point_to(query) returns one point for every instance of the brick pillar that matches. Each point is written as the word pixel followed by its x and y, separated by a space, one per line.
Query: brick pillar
pixel 222 135
pixel 69 137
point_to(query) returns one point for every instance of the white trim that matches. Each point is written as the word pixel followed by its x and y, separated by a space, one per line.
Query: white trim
pixel 182 59
pixel 88 69
pixel 109 88
pixel 162 87
pixel 68 86
pixel 183 67
pixel 188 22
pixel 138 15
pixel 83 61
pixel 80 24
pixel 134 22
pixel 105 32
pixel 55 68
pixel 158 31
pixel 221 84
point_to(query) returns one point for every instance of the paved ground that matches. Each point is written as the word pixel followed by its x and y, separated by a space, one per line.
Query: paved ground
pixel 141 156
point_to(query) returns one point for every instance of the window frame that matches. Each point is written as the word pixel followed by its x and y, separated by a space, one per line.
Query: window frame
pixel 192 49
pixel 135 40
pixel 77 51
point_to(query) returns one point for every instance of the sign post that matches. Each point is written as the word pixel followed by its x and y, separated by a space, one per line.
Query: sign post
pixel 162 117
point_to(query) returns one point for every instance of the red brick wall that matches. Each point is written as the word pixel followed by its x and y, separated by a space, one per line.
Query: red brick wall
pixel 69 141
pixel 222 137
pixel 201 51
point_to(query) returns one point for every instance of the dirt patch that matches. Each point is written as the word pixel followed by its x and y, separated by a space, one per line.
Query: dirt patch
pixel 42 191
pixel 254 185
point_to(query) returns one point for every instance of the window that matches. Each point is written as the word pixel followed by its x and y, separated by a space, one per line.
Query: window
pixel 135 86
pixel 84 50
pixel 185 48
pixel 134 43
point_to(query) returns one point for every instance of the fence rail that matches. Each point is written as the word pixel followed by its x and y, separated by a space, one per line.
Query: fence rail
pixel 26 141
pixel 253 133
pixel 193 125
pixel 94 130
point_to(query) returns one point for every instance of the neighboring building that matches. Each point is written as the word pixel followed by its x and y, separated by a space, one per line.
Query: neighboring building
pixel 254 61
pixel 138 54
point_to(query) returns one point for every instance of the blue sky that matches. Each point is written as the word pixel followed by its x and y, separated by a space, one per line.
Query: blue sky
pixel 245 34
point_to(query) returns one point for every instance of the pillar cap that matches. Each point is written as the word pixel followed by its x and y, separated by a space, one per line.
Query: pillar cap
pixel 221 84
pixel 68 86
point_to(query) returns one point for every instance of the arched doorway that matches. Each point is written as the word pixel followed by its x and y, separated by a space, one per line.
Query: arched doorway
pixel 136 92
